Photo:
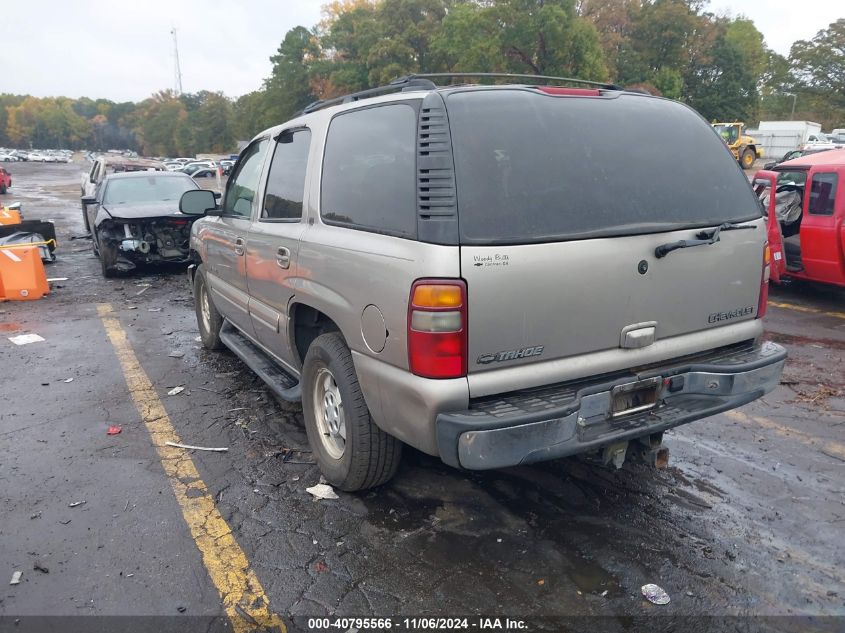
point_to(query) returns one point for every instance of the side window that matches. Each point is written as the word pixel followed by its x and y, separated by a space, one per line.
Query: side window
pixel 286 181
pixel 240 192
pixel 369 178
pixel 823 194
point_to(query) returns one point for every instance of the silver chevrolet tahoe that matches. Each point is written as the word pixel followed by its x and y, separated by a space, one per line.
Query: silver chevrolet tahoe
pixel 493 274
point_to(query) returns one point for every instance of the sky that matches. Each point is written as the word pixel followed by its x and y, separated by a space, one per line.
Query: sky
pixel 123 51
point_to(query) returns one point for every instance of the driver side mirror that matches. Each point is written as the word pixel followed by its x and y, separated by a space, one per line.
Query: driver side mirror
pixel 198 202
pixel 86 200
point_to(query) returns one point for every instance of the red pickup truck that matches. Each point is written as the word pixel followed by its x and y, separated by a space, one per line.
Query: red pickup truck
pixel 5 180
pixel 807 240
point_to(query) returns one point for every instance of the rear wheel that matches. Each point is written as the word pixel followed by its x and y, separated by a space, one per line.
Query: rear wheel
pixel 2 189
pixel 747 158
pixel 209 320
pixel 352 452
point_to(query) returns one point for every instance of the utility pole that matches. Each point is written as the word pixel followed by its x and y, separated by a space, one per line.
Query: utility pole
pixel 178 68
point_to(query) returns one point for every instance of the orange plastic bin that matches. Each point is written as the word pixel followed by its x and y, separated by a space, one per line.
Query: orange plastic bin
pixel 10 216
pixel 22 274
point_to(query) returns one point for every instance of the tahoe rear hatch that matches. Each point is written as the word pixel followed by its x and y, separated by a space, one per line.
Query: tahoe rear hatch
pixel 562 201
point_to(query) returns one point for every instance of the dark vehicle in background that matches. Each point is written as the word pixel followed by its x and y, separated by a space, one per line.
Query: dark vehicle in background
pixel 135 219
pixel 5 180
pixel 796 153
pixel 205 172
pixel 807 238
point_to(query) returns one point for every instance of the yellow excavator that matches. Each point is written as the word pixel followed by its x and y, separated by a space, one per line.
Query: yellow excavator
pixel 744 148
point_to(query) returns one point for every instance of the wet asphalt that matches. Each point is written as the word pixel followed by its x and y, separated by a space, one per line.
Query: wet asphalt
pixel 748 519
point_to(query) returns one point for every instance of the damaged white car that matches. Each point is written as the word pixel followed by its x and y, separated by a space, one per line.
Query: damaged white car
pixel 135 220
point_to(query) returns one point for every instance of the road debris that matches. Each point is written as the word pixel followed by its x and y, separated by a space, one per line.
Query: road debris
pixel 75 504
pixel 655 594
pixel 114 430
pixel 175 391
pixel 36 515
pixel 25 339
pixel 153 309
pixel 57 278
pixel 322 491
pixel 176 354
pixel 196 448
pixel 16 578
pixel 68 380
pixel 38 566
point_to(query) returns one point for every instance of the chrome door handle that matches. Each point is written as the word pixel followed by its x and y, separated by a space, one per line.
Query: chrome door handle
pixel 239 246
pixel 283 257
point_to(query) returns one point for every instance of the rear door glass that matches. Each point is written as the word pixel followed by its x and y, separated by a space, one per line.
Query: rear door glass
pixel 536 168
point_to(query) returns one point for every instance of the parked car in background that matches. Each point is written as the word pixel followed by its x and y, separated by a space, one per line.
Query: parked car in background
pixel 205 172
pixel 796 153
pixel 111 164
pixel 192 168
pixel 824 141
pixel 136 220
pixel 804 200
pixel 5 180
pixel 428 265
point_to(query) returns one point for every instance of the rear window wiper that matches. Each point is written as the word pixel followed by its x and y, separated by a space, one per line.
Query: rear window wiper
pixel 707 236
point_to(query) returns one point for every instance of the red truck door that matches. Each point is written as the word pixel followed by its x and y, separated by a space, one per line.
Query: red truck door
pixel 822 233
pixel 767 180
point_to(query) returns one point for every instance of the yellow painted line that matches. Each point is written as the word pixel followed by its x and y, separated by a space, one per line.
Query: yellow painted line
pixel 242 595
pixel 797 308
pixel 832 449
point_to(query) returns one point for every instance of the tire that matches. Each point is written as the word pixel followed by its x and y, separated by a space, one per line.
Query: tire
pixel 747 158
pixel 108 259
pixel 2 189
pixel 209 320
pixel 351 451
pixel 85 219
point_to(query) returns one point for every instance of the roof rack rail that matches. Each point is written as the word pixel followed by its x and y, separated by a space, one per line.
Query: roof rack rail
pixel 547 78
pixel 424 82
pixel 396 85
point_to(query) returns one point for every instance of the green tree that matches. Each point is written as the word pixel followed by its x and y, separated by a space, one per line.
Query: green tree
pixel 288 89
pixel 819 64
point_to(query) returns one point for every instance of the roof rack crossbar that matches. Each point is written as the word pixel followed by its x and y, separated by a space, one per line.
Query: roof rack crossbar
pixel 424 81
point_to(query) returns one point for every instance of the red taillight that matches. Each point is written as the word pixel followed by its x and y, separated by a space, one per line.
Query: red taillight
pixel 570 92
pixel 437 328
pixel 763 303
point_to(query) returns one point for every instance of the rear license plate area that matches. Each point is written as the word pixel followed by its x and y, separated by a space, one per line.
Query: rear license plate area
pixel 634 397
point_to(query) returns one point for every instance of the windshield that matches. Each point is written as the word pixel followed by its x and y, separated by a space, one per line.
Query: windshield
pixel 534 168
pixel 146 189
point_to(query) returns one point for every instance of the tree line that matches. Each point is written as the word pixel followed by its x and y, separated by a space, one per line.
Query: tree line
pixel 720 65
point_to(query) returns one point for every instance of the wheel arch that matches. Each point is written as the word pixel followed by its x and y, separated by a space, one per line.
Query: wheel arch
pixel 306 323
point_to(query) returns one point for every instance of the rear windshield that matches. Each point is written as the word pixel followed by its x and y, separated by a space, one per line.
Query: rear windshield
pixel 533 168
pixel 147 189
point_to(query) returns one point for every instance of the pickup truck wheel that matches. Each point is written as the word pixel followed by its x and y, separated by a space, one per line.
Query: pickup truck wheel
pixel 352 452
pixel 209 320
pixel 85 219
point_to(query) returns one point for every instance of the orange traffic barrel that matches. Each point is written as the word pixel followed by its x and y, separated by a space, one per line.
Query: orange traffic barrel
pixel 10 216
pixel 22 274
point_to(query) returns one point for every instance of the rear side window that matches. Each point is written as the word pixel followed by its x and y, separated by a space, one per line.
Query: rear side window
pixel 823 194
pixel 537 168
pixel 286 181
pixel 368 180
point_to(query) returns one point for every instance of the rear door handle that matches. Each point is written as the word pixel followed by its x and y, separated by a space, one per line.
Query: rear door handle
pixel 283 257
pixel 239 246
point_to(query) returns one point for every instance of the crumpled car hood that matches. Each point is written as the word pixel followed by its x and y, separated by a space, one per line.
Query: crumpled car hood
pixel 144 210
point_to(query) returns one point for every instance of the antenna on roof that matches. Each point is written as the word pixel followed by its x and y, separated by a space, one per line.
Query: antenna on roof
pixel 178 69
